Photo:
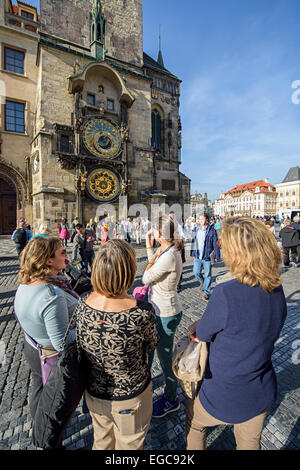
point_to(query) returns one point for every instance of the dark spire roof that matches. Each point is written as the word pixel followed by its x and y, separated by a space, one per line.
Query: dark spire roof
pixel 160 59
pixel 292 175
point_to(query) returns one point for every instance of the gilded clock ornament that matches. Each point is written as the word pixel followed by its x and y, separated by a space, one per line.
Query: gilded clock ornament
pixel 102 138
pixel 103 185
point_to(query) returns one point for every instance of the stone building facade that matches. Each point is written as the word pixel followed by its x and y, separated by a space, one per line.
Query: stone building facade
pixel 87 116
pixel 288 192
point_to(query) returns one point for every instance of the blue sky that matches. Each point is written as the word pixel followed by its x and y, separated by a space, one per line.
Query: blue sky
pixel 237 60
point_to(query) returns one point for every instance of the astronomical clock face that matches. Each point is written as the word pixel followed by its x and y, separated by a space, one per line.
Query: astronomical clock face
pixel 102 138
pixel 103 185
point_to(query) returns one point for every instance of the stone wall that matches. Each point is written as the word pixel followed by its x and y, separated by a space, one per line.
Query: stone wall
pixel 70 19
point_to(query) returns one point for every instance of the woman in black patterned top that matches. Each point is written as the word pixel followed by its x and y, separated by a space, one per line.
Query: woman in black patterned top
pixel 115 332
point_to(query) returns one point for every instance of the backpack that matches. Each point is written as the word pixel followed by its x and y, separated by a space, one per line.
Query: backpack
pixel 20 236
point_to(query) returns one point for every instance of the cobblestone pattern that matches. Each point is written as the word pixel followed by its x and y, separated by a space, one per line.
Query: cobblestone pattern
pixel 282 428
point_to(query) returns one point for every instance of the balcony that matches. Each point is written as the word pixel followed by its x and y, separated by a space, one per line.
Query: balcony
pixel 21 22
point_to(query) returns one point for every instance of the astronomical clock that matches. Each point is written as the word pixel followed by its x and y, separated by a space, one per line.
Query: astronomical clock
pixel 102 139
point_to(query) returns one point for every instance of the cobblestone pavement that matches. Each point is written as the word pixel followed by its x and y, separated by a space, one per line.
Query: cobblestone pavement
pixel 282 427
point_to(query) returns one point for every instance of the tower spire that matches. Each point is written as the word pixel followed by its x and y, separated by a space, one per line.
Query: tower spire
pixel 160 57
pixel 97 31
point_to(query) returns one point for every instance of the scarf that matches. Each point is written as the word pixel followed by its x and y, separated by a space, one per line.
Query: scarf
pixel 62 282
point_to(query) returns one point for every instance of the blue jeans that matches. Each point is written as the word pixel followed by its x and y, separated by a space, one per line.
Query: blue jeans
pixel 200 264
pixel 166 327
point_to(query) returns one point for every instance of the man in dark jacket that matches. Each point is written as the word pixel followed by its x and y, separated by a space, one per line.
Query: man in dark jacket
pixel 290 241
pixel 204 242
pixel 296 225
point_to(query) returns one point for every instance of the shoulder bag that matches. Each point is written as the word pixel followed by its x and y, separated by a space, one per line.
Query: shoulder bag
pixel 61 394
pixel 189 362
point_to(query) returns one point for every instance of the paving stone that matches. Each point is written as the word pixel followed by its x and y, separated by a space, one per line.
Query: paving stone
pixel 282 429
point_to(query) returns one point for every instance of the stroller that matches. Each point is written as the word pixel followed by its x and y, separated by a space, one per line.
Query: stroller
pixel 79 280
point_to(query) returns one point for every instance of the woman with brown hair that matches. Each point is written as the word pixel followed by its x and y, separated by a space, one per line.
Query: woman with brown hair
pixel 115 332
pixel 241 323
pixel 163 274
pixel 44 302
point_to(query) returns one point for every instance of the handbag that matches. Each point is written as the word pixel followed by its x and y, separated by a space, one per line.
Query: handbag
pixel 189 362
pixel 47 360
pixel 140 292
pixel 61 395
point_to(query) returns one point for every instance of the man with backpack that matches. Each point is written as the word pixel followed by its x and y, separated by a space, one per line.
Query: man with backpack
pixel 21 236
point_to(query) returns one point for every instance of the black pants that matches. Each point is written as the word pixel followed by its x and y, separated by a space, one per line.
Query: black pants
pixel 32 357
pixel 286 255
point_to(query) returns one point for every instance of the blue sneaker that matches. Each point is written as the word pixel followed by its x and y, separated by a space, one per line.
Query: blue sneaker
pixel 162 407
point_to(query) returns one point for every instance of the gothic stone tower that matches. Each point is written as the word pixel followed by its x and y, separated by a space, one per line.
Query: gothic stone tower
pixel 106 114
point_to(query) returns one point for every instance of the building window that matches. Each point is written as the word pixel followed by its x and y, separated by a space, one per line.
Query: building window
pixel 91 99
pixel 110 105
pixel 15 117
pixel 65 143
pixel 28 15
pixel 156 130
pixel 168 185
pixel 14 60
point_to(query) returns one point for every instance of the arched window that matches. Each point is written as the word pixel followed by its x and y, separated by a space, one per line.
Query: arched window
pixel 156 139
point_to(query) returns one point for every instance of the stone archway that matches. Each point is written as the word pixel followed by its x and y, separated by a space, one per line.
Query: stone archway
pixel 13 197
pixel 8 207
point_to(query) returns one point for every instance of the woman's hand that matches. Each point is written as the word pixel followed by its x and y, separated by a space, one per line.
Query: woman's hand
pixel 149 239
pixel 192 332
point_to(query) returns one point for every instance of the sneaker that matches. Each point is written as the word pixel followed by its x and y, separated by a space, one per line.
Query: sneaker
pixel 294 265
pixel 205 297
pixel 162 407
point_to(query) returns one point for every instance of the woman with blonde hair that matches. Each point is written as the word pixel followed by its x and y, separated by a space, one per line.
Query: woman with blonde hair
pixel 43 304
pixel 45 229
pixel 241 323
pixel 163 274
pixel 115 333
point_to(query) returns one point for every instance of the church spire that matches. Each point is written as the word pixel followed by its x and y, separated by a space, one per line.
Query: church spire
pixel 160 57
pixel 97 31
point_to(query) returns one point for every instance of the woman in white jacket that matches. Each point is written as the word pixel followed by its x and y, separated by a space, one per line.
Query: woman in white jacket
pixel 163 274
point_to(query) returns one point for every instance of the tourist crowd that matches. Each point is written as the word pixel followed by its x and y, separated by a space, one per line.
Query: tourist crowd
pixel 117 333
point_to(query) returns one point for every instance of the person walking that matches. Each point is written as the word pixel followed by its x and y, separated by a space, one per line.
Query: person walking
pixel 162 274
pixel 115 332
pixel 44 304
pixel 242 321
pixel 83 249
pixel 21 236
pixel 204 242
pixel 290 241
pixel 296 225
pixel 45 230
pixel 63 231
pixel 73 225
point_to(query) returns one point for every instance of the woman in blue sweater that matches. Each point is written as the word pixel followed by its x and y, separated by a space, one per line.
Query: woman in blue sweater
pixel 241 323
pixel 44 303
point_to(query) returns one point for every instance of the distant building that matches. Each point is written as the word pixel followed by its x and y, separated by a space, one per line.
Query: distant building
pixel 257 198
pixel 201 204
pixel 289 191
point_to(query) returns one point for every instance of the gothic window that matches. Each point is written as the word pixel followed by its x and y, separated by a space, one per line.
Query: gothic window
pixel 65 143
pixel 124 113
pixel 110 105
pixel 156 140
pixel 168 185
pixel 91 99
